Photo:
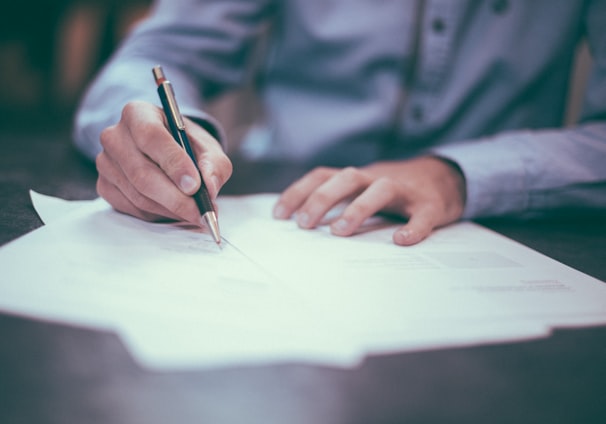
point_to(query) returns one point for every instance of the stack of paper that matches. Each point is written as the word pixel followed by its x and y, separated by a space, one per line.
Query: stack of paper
pixel 274 292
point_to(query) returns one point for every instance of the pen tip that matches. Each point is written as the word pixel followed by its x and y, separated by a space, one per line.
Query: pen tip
pixel 211 221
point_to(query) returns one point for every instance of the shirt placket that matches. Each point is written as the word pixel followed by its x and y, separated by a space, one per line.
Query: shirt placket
pixel 436 37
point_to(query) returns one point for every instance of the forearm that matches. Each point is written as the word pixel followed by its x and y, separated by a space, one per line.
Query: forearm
pixel 201 45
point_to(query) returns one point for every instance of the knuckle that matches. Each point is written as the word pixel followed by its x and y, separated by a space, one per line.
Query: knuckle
pixel 350 171
pixel 139 178
pixel 408 185
pixel 356 209
pixel 107 170
pixel 322 172
pixel 141 202
pixel 147 134
pixel 145 129
pixel 385 184
pixel 320 197
pixel 226 165
pixel 173 160
pixel 130 111
pixel 102 187
pixel 100 163
pixel 354 174
pixel 108 137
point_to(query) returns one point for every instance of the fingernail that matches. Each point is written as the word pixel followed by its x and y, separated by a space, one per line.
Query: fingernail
pixel 187 184
pixel 402 236
pixel 280 212
pixel 340 226
pixel 303 220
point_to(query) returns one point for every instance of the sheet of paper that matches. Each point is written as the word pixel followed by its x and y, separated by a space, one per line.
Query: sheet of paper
pixel 51 208
pixel 464 280
pixel 164 288
pixel 278 293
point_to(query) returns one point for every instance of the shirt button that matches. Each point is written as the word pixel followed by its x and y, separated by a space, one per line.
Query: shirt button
pixel 500 6
pixel 417 113
pixel 438 25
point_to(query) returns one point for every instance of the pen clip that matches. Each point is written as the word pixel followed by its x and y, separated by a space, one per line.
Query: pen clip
pixel 169 94
pixel 173 106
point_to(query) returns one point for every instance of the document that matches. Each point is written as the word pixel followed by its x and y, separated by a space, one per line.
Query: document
pixel 276 293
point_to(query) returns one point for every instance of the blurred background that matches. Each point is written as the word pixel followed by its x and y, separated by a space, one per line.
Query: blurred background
pixel 49 50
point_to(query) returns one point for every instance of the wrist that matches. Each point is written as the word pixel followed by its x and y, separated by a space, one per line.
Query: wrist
pixel 453 177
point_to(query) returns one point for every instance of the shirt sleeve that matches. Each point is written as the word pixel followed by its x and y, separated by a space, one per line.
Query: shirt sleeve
pixel 203 47
pixel 529 172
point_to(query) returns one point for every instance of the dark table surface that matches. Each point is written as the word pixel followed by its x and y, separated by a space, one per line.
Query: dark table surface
pixel 51 373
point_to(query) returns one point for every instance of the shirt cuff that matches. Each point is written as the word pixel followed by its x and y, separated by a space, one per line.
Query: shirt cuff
pixel 209 123
pixel 495 177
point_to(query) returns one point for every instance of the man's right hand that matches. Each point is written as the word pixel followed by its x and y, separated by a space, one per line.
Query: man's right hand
pixel 143 172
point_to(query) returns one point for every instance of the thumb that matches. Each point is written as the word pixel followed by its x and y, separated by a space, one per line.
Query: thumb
pixel 418 228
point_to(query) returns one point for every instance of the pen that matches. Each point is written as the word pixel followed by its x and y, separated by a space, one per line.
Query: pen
pixel 177 129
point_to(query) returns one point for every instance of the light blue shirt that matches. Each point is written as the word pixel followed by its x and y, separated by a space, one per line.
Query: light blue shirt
pixel 348 82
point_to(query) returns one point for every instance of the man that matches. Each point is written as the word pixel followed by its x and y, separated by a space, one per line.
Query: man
pixel 432 110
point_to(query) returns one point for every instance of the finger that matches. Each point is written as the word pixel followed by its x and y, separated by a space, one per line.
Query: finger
pixel 372 200
pixel 121 203
pixel 215 166
pixel 419 226
pixel 114 187
pixel 148 181
pixel 345 184
pixel 295 195
pixel 146 127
